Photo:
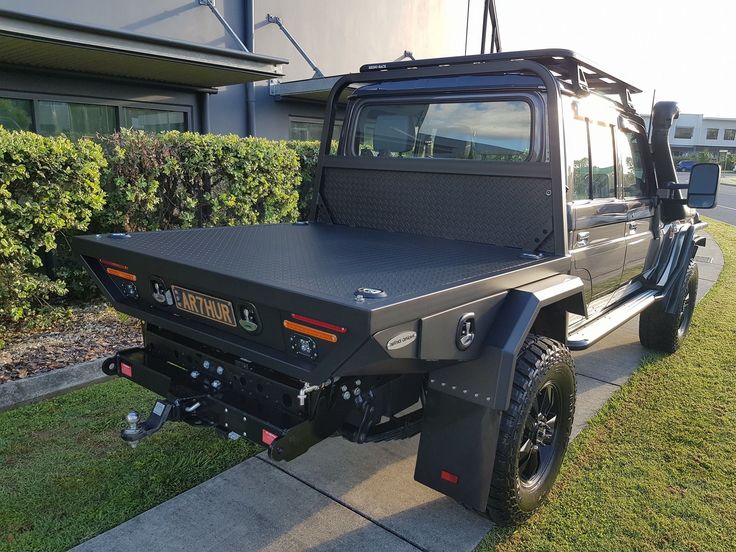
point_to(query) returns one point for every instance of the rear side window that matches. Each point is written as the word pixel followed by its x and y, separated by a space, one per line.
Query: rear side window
pixel 633 175
pixel 578 160
pixel 495 130
pixel 602 162
pixel 591 159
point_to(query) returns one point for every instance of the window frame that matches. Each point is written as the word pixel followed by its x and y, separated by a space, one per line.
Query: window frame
pixel 118 104
pixel 339 123
pixel 733 135
pixel 536 135
pixel 707 132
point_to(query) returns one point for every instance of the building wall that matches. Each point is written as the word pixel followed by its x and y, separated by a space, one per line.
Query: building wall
pixel 341 36
pixel 183 20
pixel 338 35
pixel 724 129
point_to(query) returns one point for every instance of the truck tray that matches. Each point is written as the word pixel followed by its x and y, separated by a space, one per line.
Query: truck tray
pixel 312 269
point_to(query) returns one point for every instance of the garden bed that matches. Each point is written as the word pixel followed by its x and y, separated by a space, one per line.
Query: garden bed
pixel 87 333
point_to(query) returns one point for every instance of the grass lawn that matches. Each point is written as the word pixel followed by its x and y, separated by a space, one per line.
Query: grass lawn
pixel 656 467
pixel 66 476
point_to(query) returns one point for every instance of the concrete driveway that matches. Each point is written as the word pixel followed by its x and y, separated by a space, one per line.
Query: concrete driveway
pixel 342 496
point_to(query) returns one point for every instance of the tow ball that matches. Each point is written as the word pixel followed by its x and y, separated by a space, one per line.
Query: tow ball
pixel 136 431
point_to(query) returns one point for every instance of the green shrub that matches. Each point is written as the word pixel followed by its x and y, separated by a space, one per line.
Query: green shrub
pixel 308 152
pixel 48 187
pixel 53 187
pixel 183 180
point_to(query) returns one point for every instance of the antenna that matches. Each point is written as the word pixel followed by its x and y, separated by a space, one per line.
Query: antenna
pixel 489 12
pixel 651 116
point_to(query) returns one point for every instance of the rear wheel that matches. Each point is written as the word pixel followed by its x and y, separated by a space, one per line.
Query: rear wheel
pixel 535 430
pixel 665 332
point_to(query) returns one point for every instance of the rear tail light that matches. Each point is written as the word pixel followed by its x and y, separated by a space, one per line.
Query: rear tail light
pixel 320 323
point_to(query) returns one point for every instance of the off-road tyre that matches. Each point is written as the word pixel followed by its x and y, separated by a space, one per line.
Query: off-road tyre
pixel 665 332
pixel 542 364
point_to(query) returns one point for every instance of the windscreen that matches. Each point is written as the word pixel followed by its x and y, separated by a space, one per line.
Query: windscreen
pixel 486 130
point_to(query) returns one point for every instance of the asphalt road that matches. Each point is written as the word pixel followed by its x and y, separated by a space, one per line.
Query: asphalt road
pixel 726 209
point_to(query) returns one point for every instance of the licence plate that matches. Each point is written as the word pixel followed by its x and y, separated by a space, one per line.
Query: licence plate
pixel 206 306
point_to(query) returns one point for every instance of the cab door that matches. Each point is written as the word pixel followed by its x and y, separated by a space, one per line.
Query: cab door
pixel 639 193
pixel 597 215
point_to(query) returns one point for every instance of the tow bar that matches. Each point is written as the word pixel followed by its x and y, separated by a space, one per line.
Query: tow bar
pixel 135 431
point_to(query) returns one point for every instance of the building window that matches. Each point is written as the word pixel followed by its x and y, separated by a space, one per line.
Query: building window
pixel 75 119
pixel 729 134
pixel 711 134
pixel 152 120
pixel 16 114
pixel 304 128
pixel 683 133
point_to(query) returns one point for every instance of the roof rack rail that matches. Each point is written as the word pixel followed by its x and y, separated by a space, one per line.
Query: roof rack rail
pixel 565 65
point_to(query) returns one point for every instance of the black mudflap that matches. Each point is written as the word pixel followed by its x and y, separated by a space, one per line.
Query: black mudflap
pixel 457 448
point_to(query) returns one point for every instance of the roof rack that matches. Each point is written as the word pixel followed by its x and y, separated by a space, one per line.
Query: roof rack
pixel 565 65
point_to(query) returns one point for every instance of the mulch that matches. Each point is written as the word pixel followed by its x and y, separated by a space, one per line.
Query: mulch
pixel 93 332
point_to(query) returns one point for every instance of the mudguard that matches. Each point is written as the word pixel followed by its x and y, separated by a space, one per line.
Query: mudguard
pixel 685 254
pixel 465 401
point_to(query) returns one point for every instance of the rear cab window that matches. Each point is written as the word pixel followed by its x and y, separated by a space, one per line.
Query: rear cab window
pixel 478 129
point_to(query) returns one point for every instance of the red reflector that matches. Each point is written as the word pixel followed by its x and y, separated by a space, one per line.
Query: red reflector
pixel 314 322
pixel 449 477
pixel 126 370
pixel 267 437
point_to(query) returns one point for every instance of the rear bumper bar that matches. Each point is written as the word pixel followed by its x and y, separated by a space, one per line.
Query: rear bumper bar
pixel 286 436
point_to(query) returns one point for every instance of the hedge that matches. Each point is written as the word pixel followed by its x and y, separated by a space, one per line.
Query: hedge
pixel 49 187
pixel 132 181
pixel 182 180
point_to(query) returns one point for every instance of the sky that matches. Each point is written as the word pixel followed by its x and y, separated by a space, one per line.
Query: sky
pixel 686 50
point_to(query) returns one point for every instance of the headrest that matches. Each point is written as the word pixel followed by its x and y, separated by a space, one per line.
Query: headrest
pixel 394 133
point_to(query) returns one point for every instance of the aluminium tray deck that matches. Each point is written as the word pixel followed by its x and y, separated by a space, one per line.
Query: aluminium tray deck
pixel 327 262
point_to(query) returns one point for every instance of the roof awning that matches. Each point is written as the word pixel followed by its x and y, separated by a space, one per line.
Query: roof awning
pixel 29 41
pixel 315 90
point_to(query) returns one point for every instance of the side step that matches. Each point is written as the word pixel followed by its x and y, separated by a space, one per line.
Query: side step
pixel 587 335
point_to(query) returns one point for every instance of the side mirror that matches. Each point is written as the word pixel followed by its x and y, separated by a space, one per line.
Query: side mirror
pixel 703 187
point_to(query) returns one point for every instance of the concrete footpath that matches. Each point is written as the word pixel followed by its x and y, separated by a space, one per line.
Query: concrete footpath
pixel 342 496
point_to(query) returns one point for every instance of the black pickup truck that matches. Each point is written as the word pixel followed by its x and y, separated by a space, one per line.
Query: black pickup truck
pixel 480 217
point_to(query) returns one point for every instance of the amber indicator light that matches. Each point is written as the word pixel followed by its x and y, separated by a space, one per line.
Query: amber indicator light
pixel 121 274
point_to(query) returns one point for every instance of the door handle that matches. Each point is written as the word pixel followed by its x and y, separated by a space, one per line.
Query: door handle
pixel 582 239
pixel 632 227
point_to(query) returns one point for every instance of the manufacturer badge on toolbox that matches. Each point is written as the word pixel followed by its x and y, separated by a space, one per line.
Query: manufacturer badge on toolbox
pixel 401 340
pixel 205 306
